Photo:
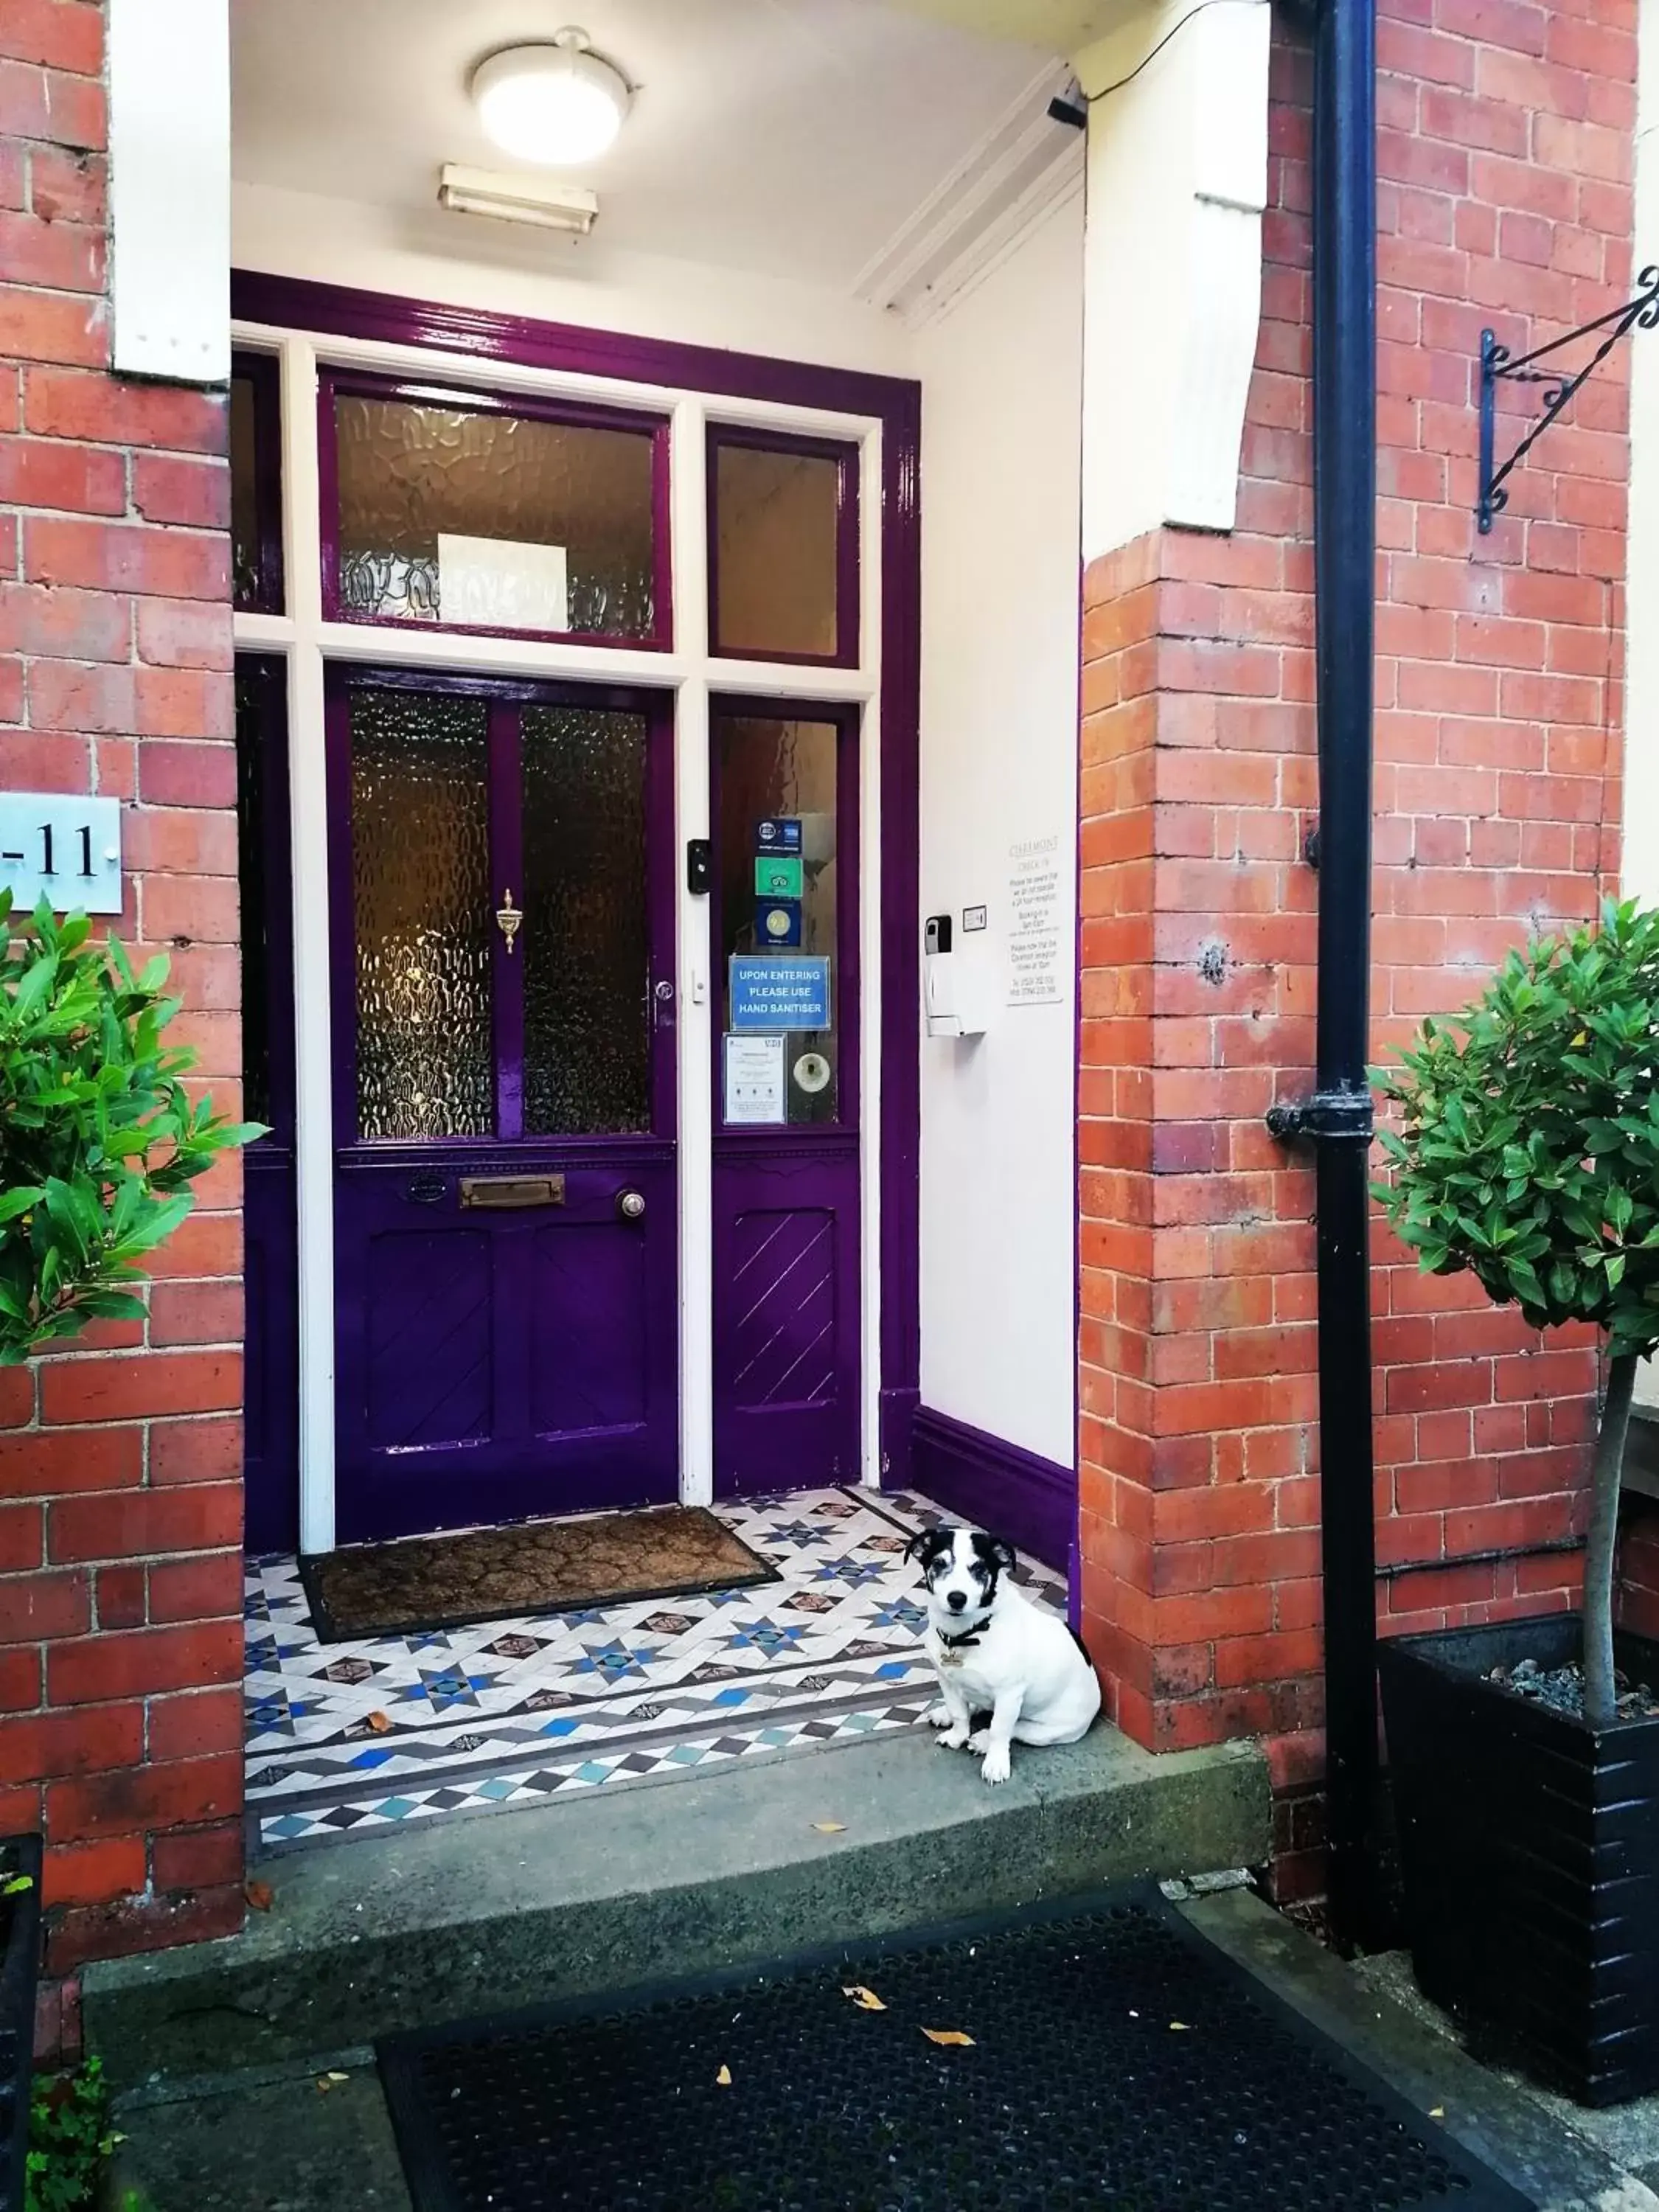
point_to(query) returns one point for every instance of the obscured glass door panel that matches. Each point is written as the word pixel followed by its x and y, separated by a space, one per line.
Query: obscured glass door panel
pixel 587 1005
pixel 492 520
pixel 424 914
pixel 781 572
pixel 254 684
pixel 256 521
pixel 778 891
pixel 243 495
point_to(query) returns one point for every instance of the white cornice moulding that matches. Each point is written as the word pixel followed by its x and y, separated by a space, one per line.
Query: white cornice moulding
pixel 1025 164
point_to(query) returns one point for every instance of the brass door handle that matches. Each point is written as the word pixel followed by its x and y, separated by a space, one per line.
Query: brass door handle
pixel 508 918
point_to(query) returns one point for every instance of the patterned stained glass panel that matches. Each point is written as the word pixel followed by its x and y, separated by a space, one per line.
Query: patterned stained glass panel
pixel 497 521
pixel 777 516
pixel 770 767
pixel 587 926
pixel 253 703
pixel 424 914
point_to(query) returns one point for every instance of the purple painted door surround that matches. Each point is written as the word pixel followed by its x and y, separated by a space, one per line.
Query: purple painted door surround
pixel 786 1204
pixel 270 1264
pixel 493 1366
pixel 329 310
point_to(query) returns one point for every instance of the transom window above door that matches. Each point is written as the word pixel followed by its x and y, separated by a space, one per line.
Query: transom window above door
pixel 469 511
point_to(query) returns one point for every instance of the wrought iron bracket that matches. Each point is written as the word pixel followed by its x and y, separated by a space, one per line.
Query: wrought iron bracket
pixel 1559 385
pixel 1340 1117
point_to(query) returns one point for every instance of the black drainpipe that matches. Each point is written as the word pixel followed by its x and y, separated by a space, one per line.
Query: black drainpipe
pixel 1337 1117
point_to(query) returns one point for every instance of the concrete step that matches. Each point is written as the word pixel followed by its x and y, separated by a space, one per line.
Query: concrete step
pixel 632 1885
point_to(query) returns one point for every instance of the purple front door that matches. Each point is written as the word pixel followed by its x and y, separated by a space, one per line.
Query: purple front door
pixel 506 1275
pixel 784 921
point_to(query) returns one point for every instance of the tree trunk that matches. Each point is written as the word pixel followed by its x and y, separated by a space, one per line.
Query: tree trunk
pixel 1599 1708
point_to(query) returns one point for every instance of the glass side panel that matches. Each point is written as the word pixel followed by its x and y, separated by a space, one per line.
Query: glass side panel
pixel 586 927
pixel 425 915
pixel 253 701
pixel 776 534
pixel 247 584
pixel 776 842
pixel 494 521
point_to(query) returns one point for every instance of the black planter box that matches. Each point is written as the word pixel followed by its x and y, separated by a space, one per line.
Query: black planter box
pixel 19 1963
pixel 1529 1853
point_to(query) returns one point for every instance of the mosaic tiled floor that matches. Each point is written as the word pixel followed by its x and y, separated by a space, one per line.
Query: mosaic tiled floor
pixel 348 1738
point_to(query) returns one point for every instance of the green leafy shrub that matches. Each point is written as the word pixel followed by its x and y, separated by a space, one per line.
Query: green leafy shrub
pixel 1528 1153
pixel 98 1140
pixel 69 2140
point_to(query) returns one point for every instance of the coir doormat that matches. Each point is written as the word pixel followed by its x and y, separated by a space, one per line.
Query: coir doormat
pixel 1098 2056
pixel 535 1566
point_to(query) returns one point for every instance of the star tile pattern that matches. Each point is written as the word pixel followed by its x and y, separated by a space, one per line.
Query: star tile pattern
pixel 396 1730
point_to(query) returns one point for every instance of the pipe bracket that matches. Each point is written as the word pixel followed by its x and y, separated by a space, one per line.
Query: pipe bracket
pixel 1329 1116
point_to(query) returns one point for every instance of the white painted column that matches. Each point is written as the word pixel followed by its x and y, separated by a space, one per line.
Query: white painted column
pixel 314 1056
pixel 693 1025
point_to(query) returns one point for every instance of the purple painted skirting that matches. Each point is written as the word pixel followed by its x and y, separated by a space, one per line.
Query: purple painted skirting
pixel 1011 1491
pixel 294 303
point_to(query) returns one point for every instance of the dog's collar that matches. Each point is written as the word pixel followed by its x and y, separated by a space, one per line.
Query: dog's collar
pixel 958 1643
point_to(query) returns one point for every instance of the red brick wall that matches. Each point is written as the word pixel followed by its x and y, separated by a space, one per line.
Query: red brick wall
pixel 1505 157
pixel 120 1499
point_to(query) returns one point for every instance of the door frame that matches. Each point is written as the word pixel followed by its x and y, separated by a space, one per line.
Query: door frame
pixel 304 324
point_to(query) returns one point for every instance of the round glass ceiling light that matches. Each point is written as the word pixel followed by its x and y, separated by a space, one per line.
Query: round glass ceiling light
pixel 557 104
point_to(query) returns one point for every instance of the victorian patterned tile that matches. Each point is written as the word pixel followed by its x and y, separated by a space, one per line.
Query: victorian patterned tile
pixel 344 1739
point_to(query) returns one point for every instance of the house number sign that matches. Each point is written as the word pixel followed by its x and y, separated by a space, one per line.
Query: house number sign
pixel 64 848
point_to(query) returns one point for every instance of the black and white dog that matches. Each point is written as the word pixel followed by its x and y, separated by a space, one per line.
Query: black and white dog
pixel 996 1653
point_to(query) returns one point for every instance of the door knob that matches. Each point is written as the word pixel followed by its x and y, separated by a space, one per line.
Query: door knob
pixel 630 1205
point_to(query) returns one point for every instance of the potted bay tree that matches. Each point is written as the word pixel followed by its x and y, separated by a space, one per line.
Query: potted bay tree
pixel 99 1142
pixel 1524 1756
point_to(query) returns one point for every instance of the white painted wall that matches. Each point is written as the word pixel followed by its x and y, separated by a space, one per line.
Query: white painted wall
pixel 169 146
pixel 1001 409
pixel 1177 165
pixel 467 261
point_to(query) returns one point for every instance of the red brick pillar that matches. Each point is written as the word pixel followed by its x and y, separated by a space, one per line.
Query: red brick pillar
pixel 120 1459
pixel 1505 154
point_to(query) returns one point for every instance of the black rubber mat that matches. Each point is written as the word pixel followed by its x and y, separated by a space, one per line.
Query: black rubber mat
pixel 1118 2062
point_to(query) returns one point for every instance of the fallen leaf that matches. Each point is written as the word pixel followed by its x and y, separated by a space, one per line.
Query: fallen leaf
pixel 379 1724
pixel 1180 2027
pixel 326 2082
pixel 830 1828
pixel 259 1895
pixel 723 2079
pixel 17 1885
pixel 1437 2111
pixel 866 2000
pixel 951 2035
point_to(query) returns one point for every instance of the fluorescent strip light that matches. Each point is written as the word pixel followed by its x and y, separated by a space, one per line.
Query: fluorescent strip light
pixel 517 199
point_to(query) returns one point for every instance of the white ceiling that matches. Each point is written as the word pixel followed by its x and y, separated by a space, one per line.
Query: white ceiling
pixel 794 139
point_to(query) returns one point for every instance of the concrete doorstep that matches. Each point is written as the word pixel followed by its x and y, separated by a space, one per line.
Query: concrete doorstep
pixel 248 2081
pixel 638 1884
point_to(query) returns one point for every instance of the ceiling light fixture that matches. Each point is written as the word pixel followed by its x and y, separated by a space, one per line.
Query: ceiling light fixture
pixel 517 198
pixel 560 104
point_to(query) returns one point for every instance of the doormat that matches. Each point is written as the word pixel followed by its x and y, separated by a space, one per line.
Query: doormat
pixel 423 1582
pixel 1096 2055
